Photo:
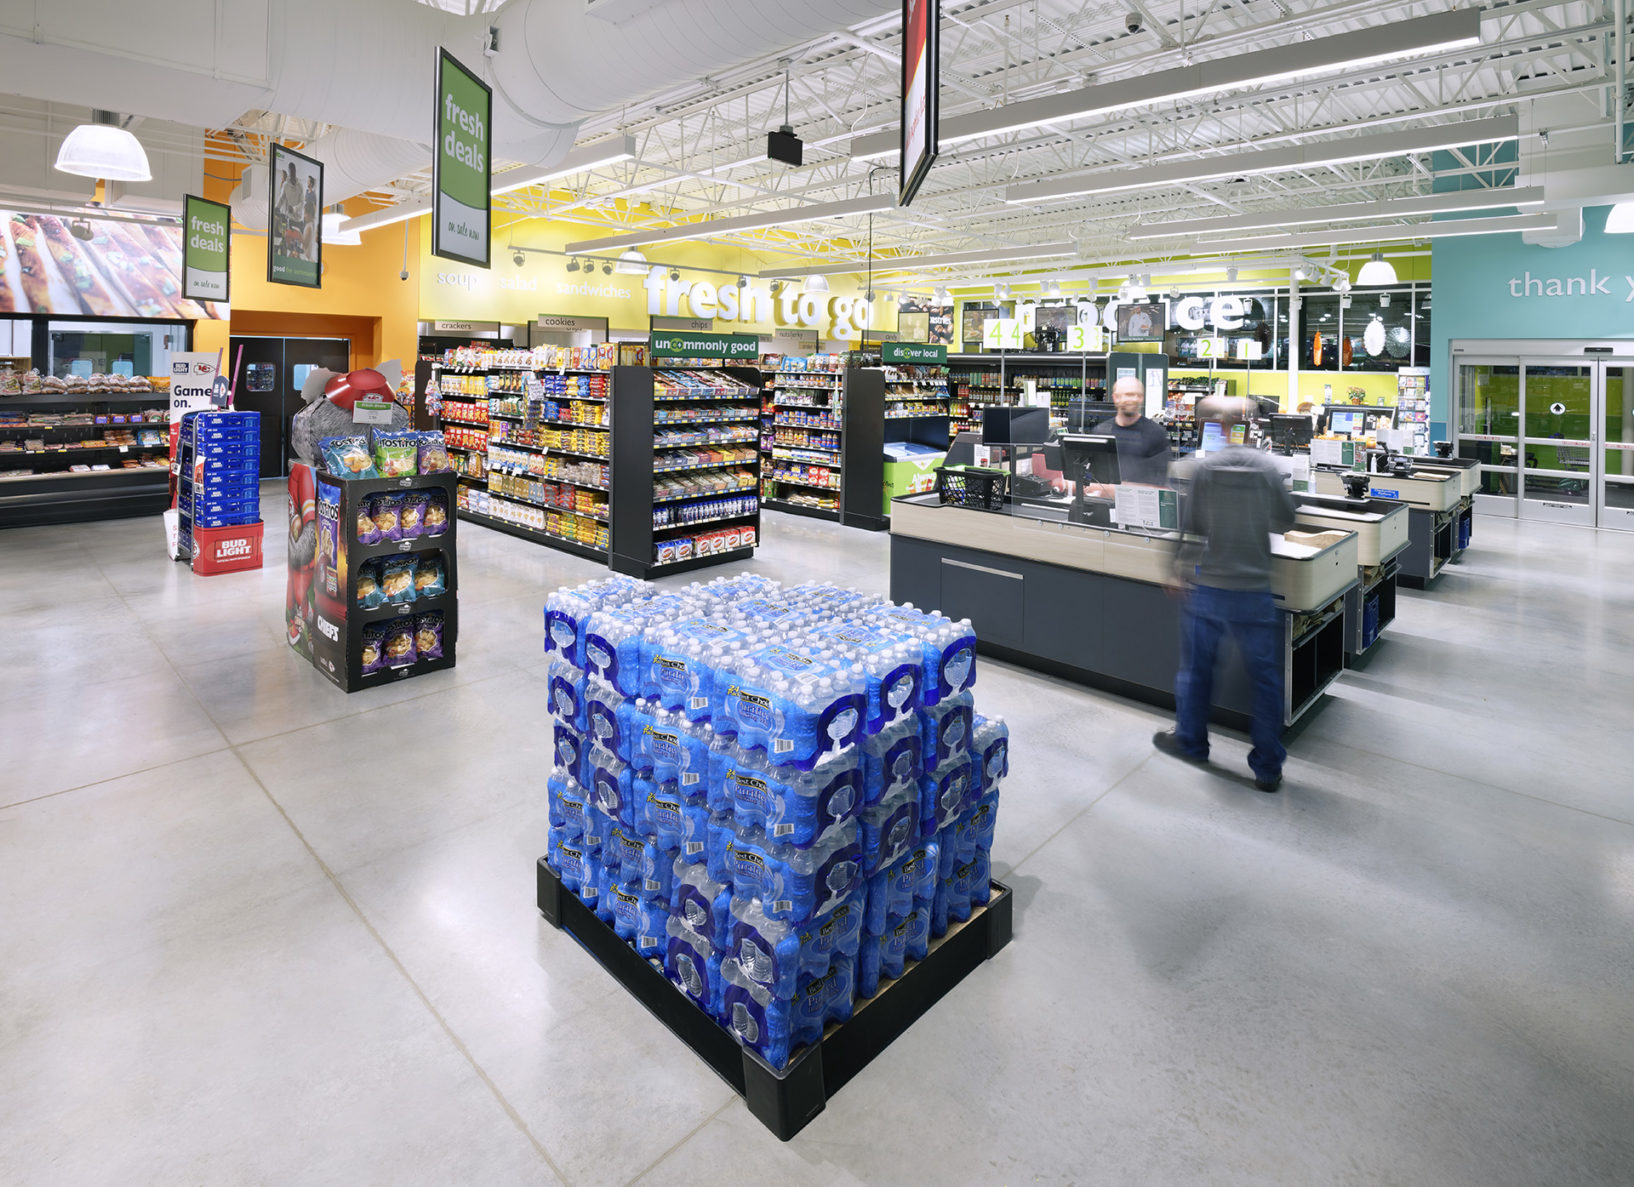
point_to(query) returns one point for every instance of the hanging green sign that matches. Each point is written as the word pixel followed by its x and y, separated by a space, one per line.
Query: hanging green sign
pixel 461 166
pixel 912 352
pixel 207 238
pixel 704 346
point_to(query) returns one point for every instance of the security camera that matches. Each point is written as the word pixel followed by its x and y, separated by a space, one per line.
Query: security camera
pixel 519 259
pixel 403 275
pixel 1131 21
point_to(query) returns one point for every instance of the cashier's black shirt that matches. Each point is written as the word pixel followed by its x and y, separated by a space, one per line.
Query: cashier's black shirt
pixel 1143 450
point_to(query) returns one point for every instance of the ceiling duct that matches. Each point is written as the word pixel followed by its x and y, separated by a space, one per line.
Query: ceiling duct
pixel 556 63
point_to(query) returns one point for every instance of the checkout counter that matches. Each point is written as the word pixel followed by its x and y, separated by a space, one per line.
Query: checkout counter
pixel 1468 470
pixel 1381 527
pixel 1086 600
pixel 1436 510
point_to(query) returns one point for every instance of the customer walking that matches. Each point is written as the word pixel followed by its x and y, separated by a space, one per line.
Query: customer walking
pixel 1236 502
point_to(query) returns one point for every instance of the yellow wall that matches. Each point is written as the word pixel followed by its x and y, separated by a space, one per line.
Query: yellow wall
pixel 1378 388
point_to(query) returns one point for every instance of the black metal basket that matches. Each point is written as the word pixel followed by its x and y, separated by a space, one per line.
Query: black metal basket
pixel 983 490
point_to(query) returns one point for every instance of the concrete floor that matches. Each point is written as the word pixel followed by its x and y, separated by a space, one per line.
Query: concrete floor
pixel 253 930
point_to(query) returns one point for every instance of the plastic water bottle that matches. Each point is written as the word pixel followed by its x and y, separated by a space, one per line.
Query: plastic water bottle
pixel 612 719
pixel 701 903
pixel 791 806
pixel 947 727
pixel 948 649
pixel 567 699
pixel 793 706
pixel 911 881
pixel 905 937
pixel 569 806
pixel 661 813
pixel 945 794
pixel 610 785
pixel 640 921
pixel 989 752
pixel 694 967
pixel 775 1027
pixel 892 758
pixel 892 661
pixel 676 668
pixel 890 829
pixel 794 885
pixel 569 750
pixel 675 751
pixel 566 611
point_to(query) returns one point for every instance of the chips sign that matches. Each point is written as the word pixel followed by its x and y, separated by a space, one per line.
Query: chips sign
pixel 704 346
pixel 206 243
pixel 461 165
pixel 912 352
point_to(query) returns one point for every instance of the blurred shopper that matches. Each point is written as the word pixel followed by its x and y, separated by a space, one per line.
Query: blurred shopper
pixel 1236 502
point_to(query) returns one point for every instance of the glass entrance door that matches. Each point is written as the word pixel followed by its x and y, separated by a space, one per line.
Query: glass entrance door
pixel 1488 430
pixel 1558 402
pixel 1617 440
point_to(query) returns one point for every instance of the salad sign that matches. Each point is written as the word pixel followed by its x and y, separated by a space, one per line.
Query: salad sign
pixel 461 166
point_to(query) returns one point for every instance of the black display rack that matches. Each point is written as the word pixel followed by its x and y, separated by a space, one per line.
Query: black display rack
pixel 61 495
pixel 804 403
pixel 785 1101
pixel 337 641
pixel 638 464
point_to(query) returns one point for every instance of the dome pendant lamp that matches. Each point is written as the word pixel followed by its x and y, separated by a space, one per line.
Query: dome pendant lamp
pixel 104 149
pixel 1378 270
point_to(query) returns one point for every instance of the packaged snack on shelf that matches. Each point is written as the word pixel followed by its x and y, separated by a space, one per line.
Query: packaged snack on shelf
pixel 369 592
pixel 374 647
pixel 396 454
pixel 367 532
pixel 387 512
pixel 411 522
pixel 348 457
pixel 428 635
pixel 397 578
pixel 436 514
pixel 399 646
pixel 430 577
pixel 433 456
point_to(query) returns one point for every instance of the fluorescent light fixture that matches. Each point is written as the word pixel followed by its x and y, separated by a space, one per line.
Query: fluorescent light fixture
pixel 1451 228
pixel 591 156
pixel 1274 160
pixel 403 211
pixel 1378 270
pixel 747 222
pixel 103 149
pixel 1621 219
pixel 333 230
pixel 1343 51
pixel 1461 200
pixel 900 264
pixel 632 263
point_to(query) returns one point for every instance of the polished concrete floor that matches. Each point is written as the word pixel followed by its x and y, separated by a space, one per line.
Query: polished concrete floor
pixel 256 931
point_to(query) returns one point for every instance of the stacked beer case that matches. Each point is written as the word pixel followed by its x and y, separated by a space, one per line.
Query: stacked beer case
pixel 219 467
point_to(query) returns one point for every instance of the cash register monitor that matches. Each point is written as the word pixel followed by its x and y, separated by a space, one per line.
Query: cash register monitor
pixel 963 450
pixel 1213 437
pixel 1087 458
pixel 1015 426
pixel 1289 429
pixel 1345 421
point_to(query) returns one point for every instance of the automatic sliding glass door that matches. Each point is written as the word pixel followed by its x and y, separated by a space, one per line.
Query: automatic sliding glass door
pixel 1617 436
pixel 1488 429
pixel 1558 402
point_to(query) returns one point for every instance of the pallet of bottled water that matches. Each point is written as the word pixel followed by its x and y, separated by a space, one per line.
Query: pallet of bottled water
pixel 780 795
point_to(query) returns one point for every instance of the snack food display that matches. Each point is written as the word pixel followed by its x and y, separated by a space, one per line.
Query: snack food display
pixel 399 642
pixel 348 457
pixel 436 513
pixel 433 454
pixel 386 510
pixel 428 635
pixel 430 576
pixel 411 520
pixel 367 531
pixel 397 577
pixel 396 455
pixel 369 592
pixel 374 647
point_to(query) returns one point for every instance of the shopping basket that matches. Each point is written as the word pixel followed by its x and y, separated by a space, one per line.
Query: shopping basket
pixel 981 489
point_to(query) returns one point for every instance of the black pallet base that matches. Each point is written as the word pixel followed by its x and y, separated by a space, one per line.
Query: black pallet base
pixel 784 1101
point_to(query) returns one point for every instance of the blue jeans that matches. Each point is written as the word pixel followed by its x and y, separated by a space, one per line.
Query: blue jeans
pixel 1253 620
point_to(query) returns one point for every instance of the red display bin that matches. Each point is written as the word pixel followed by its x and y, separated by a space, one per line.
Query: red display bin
pixel 227 550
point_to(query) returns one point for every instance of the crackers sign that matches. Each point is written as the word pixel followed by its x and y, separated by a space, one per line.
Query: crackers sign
pixel 461 203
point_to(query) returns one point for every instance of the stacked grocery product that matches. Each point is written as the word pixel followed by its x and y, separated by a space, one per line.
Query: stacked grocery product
pixel 218 490
pixel 599 357
pixel 780 795
pixel 803 435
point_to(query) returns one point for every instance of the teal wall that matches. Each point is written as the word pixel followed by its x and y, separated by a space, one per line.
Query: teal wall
pixel 1479 291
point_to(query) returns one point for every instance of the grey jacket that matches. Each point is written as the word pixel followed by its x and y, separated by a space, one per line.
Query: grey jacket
pixel 1236 502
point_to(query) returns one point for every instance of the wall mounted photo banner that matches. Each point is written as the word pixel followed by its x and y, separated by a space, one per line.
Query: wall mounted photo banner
pixel 294 218
pixel 94 267
pixel 921 92
pixel 461 204
pixel 207 240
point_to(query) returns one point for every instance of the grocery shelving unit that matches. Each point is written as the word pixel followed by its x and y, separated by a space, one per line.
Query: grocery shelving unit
pixel 660 425
pixel 917 412
pixel 339 656
pixel 46 433
pixel 803 463
pixel 998 379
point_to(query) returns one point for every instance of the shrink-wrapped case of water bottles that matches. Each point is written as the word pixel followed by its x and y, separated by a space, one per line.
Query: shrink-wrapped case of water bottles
pixel 780 795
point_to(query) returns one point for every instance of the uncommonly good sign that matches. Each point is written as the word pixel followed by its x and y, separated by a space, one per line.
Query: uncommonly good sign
pixel 206 242
pixel 461 203
pixel 912 352
pixel 704 346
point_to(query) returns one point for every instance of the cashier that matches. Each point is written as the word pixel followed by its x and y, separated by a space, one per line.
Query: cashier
pixel 1143 446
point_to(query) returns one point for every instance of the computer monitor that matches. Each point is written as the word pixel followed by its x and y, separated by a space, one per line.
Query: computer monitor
pixel 1213 437
pixel 1089 458
pixel 1292 430
pixel 1346 419
pixel 963 450
pixel 1015 426
pixel 1083 415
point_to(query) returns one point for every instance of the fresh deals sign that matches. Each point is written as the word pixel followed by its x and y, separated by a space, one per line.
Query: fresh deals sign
pixel 206 241
pixel 461 203
pixel 843 318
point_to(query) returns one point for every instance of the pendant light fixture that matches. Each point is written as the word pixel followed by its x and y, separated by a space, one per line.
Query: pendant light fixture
pixel 1620 220
pixel 816 284
pixel 103 148
pixel 632 263
pixel 1378 270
